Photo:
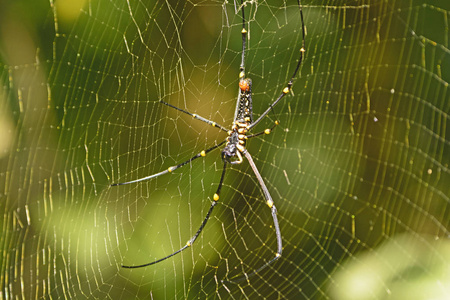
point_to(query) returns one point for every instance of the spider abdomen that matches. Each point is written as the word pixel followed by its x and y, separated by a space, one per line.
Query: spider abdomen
pixel 244 109
pixel 237 136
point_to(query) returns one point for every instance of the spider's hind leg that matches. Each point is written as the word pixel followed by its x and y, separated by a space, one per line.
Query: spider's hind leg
pixel 195 116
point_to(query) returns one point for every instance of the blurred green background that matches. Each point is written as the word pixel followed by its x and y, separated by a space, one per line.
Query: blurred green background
pixel 358 168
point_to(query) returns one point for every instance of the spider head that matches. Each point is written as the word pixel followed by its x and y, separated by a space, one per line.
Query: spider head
pixel 229 152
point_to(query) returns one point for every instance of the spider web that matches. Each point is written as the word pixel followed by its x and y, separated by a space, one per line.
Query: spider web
pixel 358 168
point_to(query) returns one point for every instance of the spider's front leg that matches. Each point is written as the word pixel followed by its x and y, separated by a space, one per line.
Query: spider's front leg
pixel 273 209
pixel 200 229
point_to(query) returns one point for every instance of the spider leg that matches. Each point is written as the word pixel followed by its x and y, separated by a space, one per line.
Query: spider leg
pixel 195 116
pixel 192 239
pixel 244 39
pixel 291 81
pixel 173 168
pixel 273 209
pixel 266 131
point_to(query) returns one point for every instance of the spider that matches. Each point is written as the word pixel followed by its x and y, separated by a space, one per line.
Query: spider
pixel 234 149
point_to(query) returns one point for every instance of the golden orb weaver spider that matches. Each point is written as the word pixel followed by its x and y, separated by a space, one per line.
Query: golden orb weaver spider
pixel 235 143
